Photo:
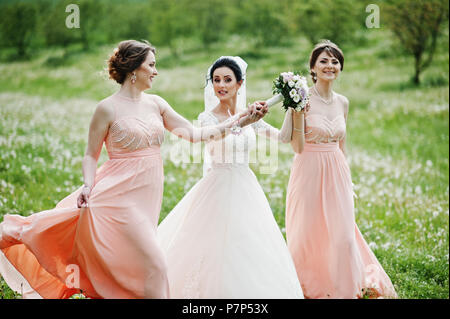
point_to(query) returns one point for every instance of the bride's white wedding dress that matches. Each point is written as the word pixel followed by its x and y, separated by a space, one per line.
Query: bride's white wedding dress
pixel 221 240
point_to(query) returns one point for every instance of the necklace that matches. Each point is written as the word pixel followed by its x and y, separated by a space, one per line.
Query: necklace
pixel 320 96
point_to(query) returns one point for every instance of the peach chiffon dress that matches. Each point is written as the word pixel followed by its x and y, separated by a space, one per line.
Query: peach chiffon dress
pixel 331 257
pixel 108 250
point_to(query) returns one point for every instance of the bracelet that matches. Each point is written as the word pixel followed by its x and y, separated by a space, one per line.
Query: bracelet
pixel 236 128
pixel 298 130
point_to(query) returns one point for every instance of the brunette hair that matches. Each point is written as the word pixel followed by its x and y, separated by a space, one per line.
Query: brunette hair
pixel 229 63
pixel 127 57
pixel 332 50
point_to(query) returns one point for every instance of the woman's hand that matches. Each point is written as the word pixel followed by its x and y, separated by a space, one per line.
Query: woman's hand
pixel 306 109
pixel 83 198
pixel 255 111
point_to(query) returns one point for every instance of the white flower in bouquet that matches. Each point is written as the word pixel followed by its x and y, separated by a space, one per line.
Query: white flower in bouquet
pixel 286 76
pixel 296 78
pixel 296 98
pixel 293 93
pixel 304 82
pixel 291 84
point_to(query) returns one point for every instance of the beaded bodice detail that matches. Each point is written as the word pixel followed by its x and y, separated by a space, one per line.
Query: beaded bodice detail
pixel 132 133
pixel 319 129
pixel 233 149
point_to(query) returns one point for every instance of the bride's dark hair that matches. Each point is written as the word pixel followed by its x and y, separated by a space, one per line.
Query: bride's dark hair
pixel 229 64
pixel 127 57
pixel 331 48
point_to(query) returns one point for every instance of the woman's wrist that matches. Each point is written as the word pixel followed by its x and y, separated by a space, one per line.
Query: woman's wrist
pixel 236 128
pixel 245 121
pixel 299 114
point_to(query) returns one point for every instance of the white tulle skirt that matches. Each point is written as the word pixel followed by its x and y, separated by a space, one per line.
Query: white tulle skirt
pixel 222 241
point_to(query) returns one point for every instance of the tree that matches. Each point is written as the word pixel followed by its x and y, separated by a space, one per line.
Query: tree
pixel 92 14
pixel 91 29
pixel 54 29
pixel 170 21
pixel 336 20
pixel 18 25
pixel 210 19
pixel 128 20
pixel 417 25
pixel 264 20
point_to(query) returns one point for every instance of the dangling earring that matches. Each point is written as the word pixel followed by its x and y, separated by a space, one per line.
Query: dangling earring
pixel 133 78
pixel 314 77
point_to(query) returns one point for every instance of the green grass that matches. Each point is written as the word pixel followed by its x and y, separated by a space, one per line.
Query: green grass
pixel 397 140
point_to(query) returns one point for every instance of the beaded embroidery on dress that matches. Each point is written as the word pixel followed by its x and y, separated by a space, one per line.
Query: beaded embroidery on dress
pixel 320 130
pixel 131 133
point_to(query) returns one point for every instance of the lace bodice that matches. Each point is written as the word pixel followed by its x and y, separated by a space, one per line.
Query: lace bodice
pixel 319 129
pixel 132 133
pixel 233 149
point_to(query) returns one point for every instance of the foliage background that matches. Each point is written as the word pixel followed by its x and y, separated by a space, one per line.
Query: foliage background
pixel 53 77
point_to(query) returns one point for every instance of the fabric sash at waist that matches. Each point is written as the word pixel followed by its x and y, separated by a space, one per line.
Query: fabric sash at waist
pixel 327 147
pixel 145 152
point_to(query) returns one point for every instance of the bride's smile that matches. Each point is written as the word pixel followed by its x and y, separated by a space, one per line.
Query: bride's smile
pixel 225 83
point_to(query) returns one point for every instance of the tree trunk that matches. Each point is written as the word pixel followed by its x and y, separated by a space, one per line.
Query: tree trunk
pixel 21 50
pixel 418 68
pixel 84 40
pixel 174 50
pixel 416 79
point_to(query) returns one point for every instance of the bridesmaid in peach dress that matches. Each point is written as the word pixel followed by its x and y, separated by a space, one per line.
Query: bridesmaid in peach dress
pixel 101 239
pixel 331 257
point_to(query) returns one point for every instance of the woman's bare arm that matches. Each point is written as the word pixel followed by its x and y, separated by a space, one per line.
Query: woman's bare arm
pixel 181 127
pixel 342 141
pixel 98 129
pixel 298 131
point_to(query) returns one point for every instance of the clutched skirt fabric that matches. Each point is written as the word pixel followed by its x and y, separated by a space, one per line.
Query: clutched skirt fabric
pixel 107 250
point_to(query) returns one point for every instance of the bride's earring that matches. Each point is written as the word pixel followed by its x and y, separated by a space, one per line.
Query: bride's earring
pixel 133 78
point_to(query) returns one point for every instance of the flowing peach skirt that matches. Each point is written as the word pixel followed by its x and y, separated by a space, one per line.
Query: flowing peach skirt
pixel 331 257
pixel 108 250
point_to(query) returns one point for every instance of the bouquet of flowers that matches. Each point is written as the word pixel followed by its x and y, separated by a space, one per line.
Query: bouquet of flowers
pixel 292 89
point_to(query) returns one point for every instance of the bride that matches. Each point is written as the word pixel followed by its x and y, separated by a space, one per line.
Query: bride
pixel 221 240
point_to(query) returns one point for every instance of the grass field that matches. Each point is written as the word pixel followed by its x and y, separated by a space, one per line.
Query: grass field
pixel 397 143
